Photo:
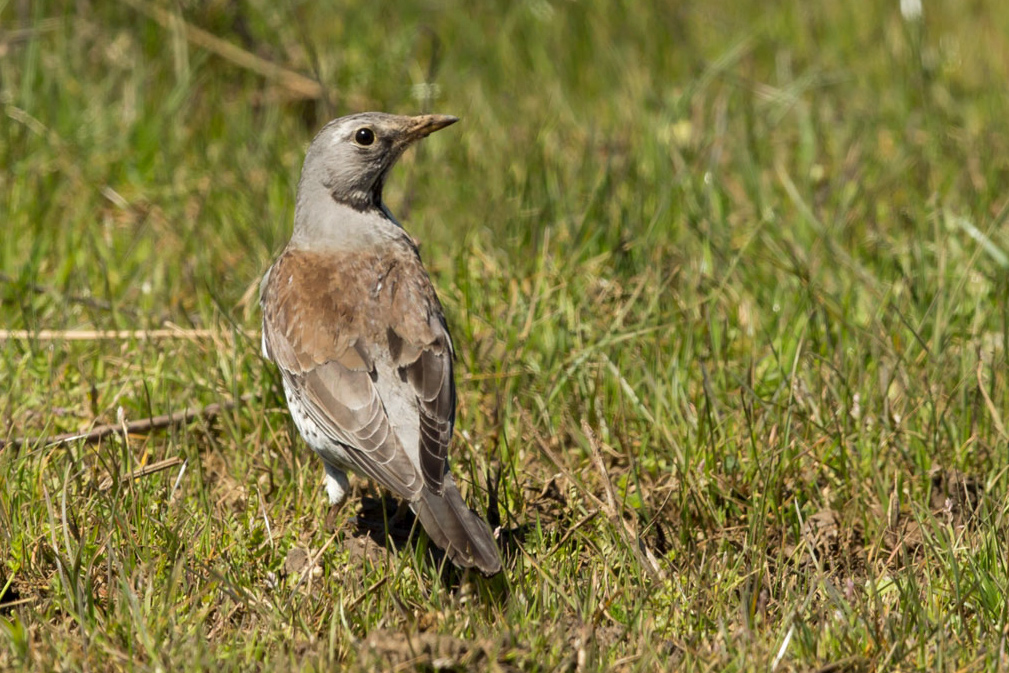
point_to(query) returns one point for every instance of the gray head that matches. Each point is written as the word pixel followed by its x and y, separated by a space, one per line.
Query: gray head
pixel 351 156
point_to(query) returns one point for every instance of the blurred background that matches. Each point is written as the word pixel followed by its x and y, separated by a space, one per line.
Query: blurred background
pixel 727 282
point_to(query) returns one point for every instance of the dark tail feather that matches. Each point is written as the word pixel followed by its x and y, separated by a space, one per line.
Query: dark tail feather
pixel 458 530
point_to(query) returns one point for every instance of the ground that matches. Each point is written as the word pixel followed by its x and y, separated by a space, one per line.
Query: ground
pixel 727 283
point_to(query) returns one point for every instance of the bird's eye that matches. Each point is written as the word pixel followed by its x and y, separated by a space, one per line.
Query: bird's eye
pixel 364 136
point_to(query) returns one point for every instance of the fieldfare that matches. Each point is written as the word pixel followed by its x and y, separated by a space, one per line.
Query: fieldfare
pixel 351 319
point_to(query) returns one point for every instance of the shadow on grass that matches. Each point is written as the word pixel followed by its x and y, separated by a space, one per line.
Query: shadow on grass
pixel 9 596
pixel 391 524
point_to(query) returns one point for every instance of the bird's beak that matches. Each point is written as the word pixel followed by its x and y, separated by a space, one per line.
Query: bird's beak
pixel 424 125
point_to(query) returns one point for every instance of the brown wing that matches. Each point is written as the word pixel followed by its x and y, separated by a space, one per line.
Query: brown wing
pixel 325 361
pixel 326 350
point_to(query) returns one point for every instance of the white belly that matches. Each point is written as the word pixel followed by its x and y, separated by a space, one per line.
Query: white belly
pixel 327 447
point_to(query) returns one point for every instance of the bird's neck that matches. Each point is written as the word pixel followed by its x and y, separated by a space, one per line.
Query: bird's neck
pixel 328 223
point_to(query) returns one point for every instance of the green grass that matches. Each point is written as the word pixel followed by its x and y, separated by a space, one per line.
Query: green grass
pixel 728 284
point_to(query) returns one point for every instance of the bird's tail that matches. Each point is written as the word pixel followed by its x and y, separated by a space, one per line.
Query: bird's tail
pixel 457 529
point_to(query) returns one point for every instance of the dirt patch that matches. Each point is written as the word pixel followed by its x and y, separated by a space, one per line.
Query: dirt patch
pixel 363 547
pixel 956 496
pixel 955 500
pixel 426 650
pixel 297 560
pixel 430 651
pixel 838 544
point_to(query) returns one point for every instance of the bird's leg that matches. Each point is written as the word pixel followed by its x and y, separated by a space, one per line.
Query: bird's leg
pixel 337 485
pixel 401 510
pixel 337 488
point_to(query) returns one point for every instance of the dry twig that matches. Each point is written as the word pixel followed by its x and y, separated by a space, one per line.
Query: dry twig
pixel 99 335
pixel 153 468
pixel 132 428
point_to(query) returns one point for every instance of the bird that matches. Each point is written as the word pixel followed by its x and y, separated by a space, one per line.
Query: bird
pixel 353 322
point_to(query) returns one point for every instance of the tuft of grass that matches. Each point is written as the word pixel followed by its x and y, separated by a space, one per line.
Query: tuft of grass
pixel 727 284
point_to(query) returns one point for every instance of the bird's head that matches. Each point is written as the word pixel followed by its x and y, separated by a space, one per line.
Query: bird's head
pixel 351 156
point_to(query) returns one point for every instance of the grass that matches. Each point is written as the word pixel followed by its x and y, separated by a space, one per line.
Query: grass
pixel 728 286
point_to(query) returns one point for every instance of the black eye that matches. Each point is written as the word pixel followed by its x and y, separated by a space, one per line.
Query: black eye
pixel 364 136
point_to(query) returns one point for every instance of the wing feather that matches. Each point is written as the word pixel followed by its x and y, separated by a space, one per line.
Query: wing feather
pixel 430 375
